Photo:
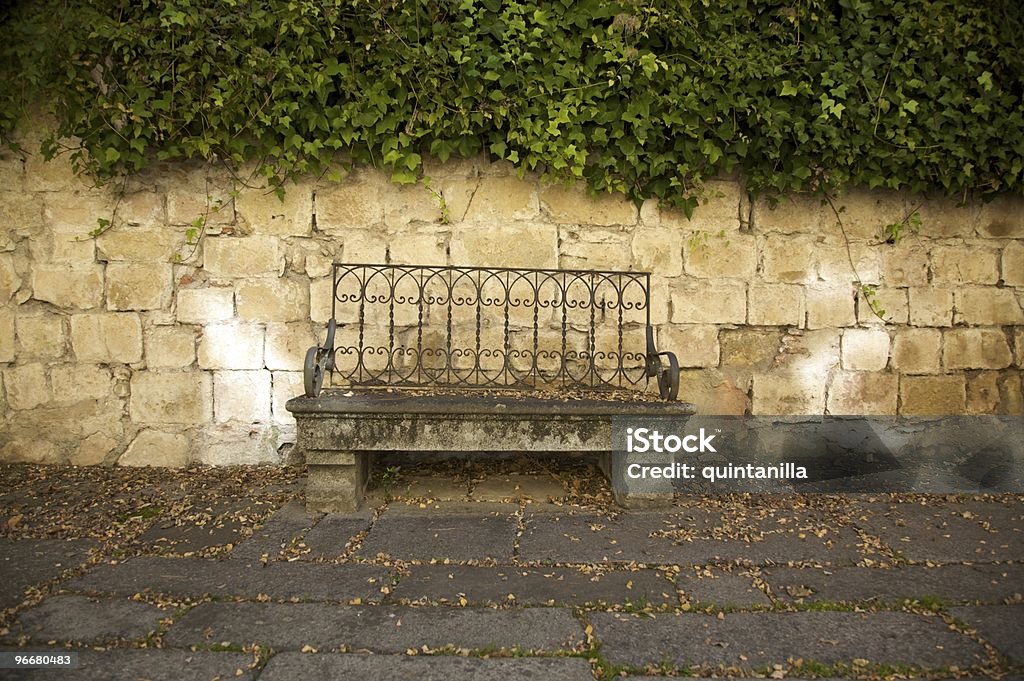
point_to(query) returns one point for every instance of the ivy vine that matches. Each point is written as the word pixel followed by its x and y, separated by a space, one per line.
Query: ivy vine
pixel 645 98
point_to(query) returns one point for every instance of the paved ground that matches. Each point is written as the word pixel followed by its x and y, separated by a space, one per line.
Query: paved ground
pixel 202 574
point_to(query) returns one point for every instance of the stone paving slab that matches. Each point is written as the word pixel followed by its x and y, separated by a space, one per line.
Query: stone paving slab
pixel 152 665
pixel 87 620
pixel 430 487
pixel 721 589
pixel 534 586
pixel 423 536
pixel 755 639
pixel 696 537
pixel 986 583
pixel 195 577
pixel 280 529
pixel 377 629
pixel 288 666
pixel 517 486
pixel 202 526
pixel 944 532
pixel 1002 626
pixel 330 537
pixel 32 561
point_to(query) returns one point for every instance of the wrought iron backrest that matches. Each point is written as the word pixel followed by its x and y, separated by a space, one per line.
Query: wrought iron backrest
pixel 489 327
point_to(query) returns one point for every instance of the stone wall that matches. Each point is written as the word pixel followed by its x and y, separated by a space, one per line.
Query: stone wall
pixel 135 347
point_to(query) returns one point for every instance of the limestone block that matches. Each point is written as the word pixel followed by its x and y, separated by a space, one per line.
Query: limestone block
pixel 833 263
pixel 865 212
pixel 710 303
pixel 746 347
pixel 865 349
pixel 7 344
pixel 814 353
pixel 20 213
pixel 26 386
pixel 499 199
pixel 272 300
pixel 456 193
pixel 1018 346
pixel 523 244
pixel 170 347
pixel 1013 264
pixel 983 393
pixel 55 175
pixel 659 251
pixel 250 256
pixel 932 395
pixel 1011 394
pixel 830 307
pixel 241 396
pixel 988 306
pixel 573 205
pixel 93 450
pixel 650 213
pixel 321 293
pixel 942 217
pixel 265 213
pixel 351 205
pixel 1003 217
pixel 142 208
pixel 142 245
pixel 975 349
pixel 12 169
pixel 235 444
pixel 418 249
pixel 794 214
pixel 184 397
pixel 186 207
pixel 788 260
pixel 157 448
pixel 286 385
pixel 77 212
pixel 695 345
pixel 776 305
pixel 863 393
pixel 10 282
pixel 287 344
pixel 138 286
pixel 904 264
pixel 719 209
pixel 33 450
pixel 64 247
pixel 204 305
pixel 969 263
pixel 40 336
pixel 407 204
pixel 917 351
pixel 894 303
pixel 76 382
pixel 594 248
pixel 231 346
pixel 107 337
pixel 68 286
pixel 713 392
pixel 460 167
pixel 661 299
pixel 717 257
pixel 781 393
pixel 931 306
pixel 364 246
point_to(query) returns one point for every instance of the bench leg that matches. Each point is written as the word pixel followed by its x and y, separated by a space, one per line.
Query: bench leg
pixel 629 494
pixel 337 487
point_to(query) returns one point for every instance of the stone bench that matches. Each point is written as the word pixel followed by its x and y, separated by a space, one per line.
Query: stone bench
pixel 472 359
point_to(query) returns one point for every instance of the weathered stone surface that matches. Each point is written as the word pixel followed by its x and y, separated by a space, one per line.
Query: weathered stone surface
pixel 750 347
pixel 793 214
pixel 138 286
pixel 423 668
pixel 775 305
pixel 7 335
pixel 717 303
pixel 1001 218
pixel 865 349
pixel 695 345
pixel 931 306
pixel 1003 627
pixel 949 266
pixel 350 205
pixel 717 257
pixel 942 217
pixel 788 392
pixel 170 347
pixel 430 535
pixel 33 561
pixel 250 256
pixel 905 264
pixel 74 382
pixel 26 386
pixel 788 260
pixel 713 391
pixel 286 345
pixel 988 306
pixel 595 248
pixel 241 396
pixel 286 385
pixel 575 206
pixel 231 346
pixel 863 392
pixel 754 640
pixel 360 245
pixel 93 450
pixel 77 618
pixel 830 307
pixel 917 351
pixel 719 209
pixel 524 244
pixel 265 213
pixel 983 393
pixel 68 286
pixel 503 198
pixel 10 282
pixel 107 337
pixel 377 629
pixel 865 212
pixel 157 448
pixel 184 397
pixel 1012 262
pixel 280 531
pixel 892 301
pixel 203 305
pixel 236 444
pixel 123 664
pixel 932 395
pixel 659 251
pixel 975 349
pixel 720 589
pixel 333 535
pixel 140 245
pixel 272 300
pixel 40 336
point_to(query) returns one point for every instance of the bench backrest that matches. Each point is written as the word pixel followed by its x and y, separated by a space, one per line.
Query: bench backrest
pixel 416 325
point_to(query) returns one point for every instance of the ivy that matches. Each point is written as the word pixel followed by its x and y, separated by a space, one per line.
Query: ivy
pixel 646 98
